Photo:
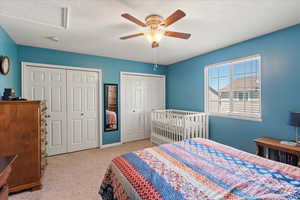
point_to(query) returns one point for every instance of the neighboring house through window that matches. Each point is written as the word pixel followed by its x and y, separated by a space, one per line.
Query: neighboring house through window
pixel 233 88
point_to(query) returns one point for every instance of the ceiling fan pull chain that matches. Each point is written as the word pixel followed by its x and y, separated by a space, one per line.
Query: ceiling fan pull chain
pixel 155 65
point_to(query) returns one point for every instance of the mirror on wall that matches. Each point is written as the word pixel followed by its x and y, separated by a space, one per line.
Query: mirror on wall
pixel 111 107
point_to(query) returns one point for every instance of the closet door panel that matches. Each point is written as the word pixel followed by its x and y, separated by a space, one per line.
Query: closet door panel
pixel 158 91
pixel 35 83
pixel 77 133
pixel 82 110
pixel 142 94
pixel 135 108
pixel 56 128
pixel 76 102
pixel 91 109
pixel 155 100
pixel 50 85
pixel 56 102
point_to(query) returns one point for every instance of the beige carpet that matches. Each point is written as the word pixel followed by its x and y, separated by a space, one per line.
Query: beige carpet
pixel 77 176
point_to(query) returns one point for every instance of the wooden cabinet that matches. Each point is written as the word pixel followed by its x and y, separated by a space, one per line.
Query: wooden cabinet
pixel 22 133
pixel 272 149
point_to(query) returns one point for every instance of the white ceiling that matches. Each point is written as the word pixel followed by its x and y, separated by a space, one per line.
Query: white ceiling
pixel 96 25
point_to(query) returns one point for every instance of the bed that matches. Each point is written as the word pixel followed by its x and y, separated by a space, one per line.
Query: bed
pixel 198 169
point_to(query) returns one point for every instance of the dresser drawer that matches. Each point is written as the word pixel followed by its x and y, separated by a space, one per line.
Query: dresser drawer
pixel 4 193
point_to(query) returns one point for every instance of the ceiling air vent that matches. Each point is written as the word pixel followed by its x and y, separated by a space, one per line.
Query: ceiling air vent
pixel 45 14
pixel 65 17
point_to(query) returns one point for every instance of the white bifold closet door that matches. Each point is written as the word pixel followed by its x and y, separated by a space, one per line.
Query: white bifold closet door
pixel 82 95
pixel 155 99
pixel 72 98
pixel 50 85
pixel 135 90
pixel 142 94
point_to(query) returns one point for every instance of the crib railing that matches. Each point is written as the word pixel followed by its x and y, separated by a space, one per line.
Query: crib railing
pixel 176 125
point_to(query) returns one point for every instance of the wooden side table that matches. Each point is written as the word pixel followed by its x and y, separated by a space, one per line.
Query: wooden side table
pixel 263 145
pixel 5 169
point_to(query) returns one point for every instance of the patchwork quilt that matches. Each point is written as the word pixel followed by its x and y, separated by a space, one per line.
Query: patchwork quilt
pixel 198 169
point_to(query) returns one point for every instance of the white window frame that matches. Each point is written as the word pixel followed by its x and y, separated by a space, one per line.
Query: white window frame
pixel 233 115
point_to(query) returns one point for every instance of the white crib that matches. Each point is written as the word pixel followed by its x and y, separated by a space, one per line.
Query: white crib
pixel 176 125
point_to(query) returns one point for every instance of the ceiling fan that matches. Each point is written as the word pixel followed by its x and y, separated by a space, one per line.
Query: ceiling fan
pixel 156 25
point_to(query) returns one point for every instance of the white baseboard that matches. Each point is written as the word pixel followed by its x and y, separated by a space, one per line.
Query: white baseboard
pixel 110 145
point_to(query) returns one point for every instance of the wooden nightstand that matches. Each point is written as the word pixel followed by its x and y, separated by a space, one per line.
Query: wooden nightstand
pixel 272 149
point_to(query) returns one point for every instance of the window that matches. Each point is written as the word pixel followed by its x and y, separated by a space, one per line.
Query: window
pixel 233 88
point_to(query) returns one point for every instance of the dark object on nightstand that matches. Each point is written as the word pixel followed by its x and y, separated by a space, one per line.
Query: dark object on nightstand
pixel 272 149
pixel 10 95
pixel 5 170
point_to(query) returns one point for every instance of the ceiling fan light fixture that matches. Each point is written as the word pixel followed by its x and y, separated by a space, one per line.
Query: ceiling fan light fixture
pixel 154 35
pixel 156 25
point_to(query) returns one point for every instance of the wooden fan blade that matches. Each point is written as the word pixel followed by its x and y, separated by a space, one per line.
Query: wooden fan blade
pixel 133 19
pixel 131 36
pixel 177 15
pixel 155 44
pixel 177 34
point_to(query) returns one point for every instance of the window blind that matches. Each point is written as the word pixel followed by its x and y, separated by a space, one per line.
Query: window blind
pixel 233 88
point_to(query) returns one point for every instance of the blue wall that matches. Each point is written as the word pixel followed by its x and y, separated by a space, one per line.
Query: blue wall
pixel 9 48
pixel 110 67
pixel 280 53
pixel 185 81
